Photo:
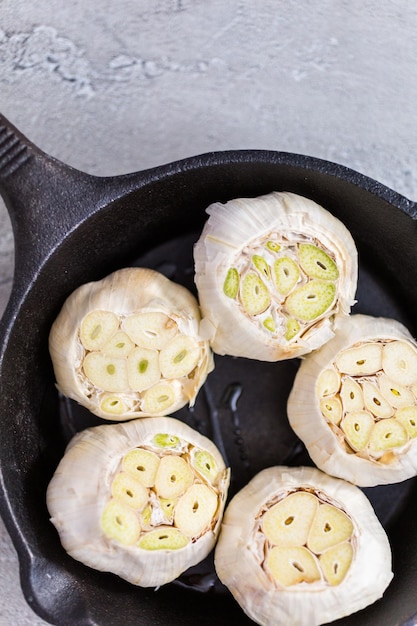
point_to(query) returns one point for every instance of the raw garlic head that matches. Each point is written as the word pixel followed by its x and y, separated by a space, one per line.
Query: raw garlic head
pixel 143 499
pixel 354 402
pixel 300 547
pixel 129 346
pixel 272 275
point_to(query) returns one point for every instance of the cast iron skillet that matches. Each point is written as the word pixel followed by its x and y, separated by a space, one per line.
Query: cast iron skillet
pixel 70 228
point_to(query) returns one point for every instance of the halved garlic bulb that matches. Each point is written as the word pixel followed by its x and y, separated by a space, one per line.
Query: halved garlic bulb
pixel 143 499
pixel 354 402
pixel 272 275
pixel 130 345
pixel 300 547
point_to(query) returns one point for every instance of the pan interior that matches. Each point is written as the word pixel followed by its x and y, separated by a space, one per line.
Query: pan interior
pixel 242 405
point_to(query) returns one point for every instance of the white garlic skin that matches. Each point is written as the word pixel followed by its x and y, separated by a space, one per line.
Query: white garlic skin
pixel 237 557
pixel 234 225
pixel 125 292
pixel 80 489
pixel 306 419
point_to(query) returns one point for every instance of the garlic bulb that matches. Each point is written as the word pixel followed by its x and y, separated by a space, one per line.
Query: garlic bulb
pixel 300 548
pixel 354 402
pixel 129 346
pixel 272 274
pixel 143 499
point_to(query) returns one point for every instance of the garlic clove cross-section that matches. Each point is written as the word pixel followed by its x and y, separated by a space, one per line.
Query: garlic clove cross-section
pixel 130 346
pixel 113 502
pixel 353 402
pixel 273 275
pixel 336 561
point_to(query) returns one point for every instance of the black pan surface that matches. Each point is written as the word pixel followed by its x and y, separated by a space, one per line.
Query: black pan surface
pixel 71 228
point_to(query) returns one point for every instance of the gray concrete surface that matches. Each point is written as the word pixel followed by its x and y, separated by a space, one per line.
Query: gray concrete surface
pixel 116 87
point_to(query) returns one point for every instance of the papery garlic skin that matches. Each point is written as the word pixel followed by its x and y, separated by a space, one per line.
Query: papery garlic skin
pixel 354 403
pixel 130 345
pixel 272 275
pixel 242 552
pixel 110 519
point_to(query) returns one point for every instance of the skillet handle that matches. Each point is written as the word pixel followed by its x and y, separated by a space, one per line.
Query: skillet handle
pixel 42 195
pixel 46 199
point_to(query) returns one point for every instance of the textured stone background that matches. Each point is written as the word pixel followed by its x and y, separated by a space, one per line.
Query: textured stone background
pixel 116 87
